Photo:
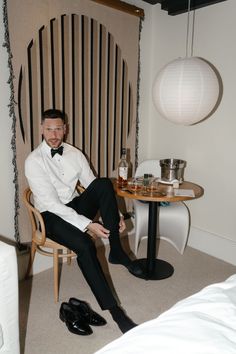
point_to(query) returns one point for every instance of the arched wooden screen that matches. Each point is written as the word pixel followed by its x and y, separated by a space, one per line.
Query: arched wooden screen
pixel 74 64
pixel 81 58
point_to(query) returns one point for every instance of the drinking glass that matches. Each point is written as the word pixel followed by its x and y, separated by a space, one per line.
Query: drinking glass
pixel 152 187
pixel 135 185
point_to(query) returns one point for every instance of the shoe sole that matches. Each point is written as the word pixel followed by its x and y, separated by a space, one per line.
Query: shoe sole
pixel 72 331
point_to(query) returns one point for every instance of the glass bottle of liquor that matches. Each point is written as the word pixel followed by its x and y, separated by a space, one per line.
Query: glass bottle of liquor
pixel 123 170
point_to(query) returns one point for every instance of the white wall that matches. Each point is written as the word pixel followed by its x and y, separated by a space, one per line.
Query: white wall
pixel 208 147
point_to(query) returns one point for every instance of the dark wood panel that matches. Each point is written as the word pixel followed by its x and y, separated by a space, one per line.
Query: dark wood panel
pixel 176 7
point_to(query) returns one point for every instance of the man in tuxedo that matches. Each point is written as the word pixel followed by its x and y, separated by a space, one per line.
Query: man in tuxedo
pixel 53 170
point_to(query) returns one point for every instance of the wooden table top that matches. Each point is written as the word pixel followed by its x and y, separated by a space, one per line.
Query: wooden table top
pixel 165 193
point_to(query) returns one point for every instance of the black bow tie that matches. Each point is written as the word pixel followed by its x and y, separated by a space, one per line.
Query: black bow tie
pixel 57 151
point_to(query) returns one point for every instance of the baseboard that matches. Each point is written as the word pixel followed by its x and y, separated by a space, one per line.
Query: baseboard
pixel 213 244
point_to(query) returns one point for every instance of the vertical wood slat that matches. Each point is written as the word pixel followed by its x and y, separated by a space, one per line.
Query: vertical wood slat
pixel 21 104
pixel 110 104
pixel 82 83
pixel 90 98
pixel 41 48
pixel 94 97
pixel 88 54
pixel 67 73
pixel 81 71
pixel 31 121
pixel 52 52
pixel 86 85
pixel 47 77
pixel 78 72
pixel 102 143
pixel 63 61
pixel 56 47
pixel 35 87
pixel 124 110
pixel 73 64
pixel 117 108
pixel 114 157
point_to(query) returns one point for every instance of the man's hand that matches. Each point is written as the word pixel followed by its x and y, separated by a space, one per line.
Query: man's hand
pixel 122 225
pixel 98 230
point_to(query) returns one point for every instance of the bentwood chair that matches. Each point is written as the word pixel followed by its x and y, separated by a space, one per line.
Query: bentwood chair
pixel 174 219
pixel 42 244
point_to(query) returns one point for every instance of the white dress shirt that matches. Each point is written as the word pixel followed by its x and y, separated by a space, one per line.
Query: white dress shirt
pixel 53 181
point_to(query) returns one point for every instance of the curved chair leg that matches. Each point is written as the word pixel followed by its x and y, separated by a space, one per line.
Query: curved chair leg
pixel 141 223
pixel 173 225
pixel 177 231
pixel 55 274
pixel 31 259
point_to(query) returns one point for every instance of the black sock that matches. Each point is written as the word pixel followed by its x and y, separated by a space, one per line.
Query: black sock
pixel 117 254
pixel 123 321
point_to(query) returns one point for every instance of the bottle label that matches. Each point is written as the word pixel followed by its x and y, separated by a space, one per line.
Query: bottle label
pixel 123 173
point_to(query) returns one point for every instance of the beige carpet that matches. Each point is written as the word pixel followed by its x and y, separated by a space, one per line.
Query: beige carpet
pixel 42 331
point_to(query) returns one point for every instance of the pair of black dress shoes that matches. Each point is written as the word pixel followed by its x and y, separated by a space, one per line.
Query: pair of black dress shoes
pixel 79 316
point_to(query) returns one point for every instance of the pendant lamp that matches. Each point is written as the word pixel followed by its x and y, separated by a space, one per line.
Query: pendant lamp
pixel 186 90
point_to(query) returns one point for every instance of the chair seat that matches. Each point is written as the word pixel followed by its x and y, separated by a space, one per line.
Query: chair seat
pixel 52 245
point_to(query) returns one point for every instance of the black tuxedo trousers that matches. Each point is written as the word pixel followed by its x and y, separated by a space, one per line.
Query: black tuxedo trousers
pixel 99 196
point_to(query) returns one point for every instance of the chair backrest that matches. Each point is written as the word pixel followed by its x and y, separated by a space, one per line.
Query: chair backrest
pixel 149 166
pixel 37 223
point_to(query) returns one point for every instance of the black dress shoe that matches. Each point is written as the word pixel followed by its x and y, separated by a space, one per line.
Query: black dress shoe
pixel 89 316
pixel 132 267
pixel 75 323
pixel 135 269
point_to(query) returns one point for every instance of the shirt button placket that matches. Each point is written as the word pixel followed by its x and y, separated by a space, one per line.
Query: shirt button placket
pixel 61 169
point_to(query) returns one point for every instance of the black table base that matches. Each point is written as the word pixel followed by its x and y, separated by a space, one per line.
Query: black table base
pixel 161 269
pixel 153 269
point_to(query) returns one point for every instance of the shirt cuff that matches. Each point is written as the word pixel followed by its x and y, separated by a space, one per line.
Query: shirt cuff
pixel 86 228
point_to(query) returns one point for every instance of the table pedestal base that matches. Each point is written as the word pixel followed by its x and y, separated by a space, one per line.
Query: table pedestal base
pixel 161 269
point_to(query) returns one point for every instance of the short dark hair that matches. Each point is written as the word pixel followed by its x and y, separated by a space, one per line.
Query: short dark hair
pixel 53 114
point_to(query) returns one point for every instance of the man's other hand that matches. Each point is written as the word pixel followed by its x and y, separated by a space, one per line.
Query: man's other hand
pixel 122 225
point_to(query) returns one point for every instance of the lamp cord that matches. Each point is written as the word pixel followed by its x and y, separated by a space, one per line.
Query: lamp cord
pixel 189 1
pixel 188 25
pixel 193 32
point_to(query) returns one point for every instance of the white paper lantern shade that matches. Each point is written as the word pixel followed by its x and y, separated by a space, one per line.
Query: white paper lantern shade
pixel 186 90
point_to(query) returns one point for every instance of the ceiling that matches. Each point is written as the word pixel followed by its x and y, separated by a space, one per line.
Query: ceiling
pixel 176 7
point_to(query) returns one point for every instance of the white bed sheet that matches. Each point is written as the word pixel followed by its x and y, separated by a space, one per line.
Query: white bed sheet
pixel 204 323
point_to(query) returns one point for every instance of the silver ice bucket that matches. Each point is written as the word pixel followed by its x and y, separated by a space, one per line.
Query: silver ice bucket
pixel 172 169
